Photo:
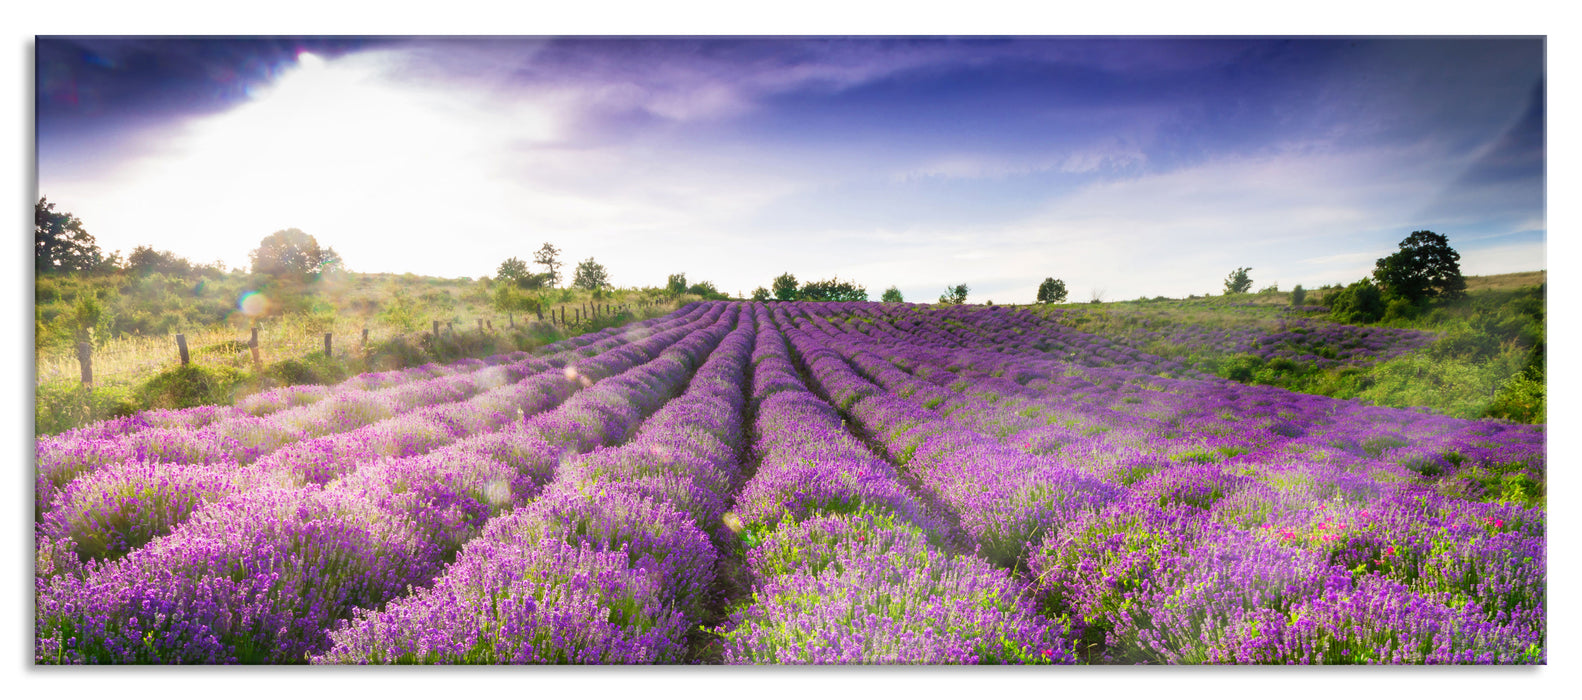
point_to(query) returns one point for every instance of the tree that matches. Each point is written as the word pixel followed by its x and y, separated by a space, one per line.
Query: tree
pixel 286 253
pixel 1238 282
pixel 892 296
pixel 60 244
pixel 677 283
pixel 331 262
pixel 707 290
pixel 145 261
pixel 514 270
pixel 591 275
pixel 1298 295
pixel 1052 291
pixel 832 290
pixel 1425 268
pixel 761 294
pixel 954 295
pixel 549 257
pixel 785 287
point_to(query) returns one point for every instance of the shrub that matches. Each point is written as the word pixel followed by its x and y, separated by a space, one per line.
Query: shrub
pixel 190 385
pixel 1360 302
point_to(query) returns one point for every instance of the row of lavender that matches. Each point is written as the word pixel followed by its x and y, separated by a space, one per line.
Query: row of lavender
pixel 610 565
pixel 1202 521
pixel 845 563
pixel 262 568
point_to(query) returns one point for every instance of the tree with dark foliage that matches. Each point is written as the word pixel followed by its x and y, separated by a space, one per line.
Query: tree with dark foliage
pixel 1425 268
pixel 1052 291
pixel 60 244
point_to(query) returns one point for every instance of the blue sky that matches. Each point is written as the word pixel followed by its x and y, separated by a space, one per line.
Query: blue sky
pixel 1125 166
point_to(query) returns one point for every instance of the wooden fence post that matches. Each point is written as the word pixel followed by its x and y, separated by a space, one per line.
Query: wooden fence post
pixel 327 352
pixel 85 358
pixel 491 324
pixel 480 325
pixel 253 345
pixel 365 336
pixel 181 344
pixel 436 330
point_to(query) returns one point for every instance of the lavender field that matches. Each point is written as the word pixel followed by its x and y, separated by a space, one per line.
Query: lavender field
pixel 801 483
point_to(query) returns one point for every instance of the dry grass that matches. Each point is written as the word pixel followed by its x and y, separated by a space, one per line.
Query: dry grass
pixel 1507 281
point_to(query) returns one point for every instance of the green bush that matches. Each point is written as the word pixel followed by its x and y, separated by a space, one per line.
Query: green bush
pixel 60 406
pixel 1360 302
pixel 189 386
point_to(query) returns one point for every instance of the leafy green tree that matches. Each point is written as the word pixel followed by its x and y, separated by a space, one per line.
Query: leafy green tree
pixel 761 294
pixel 1425 268
pixel 1052 291
pixel 785 287
pixel 288 253
pixel 1298 295
pixel 60 244
pixel 1238 282
pixel 954 295
pixel 515 271
pixel 549 257
pixel 832 289
pixel 677 283
pixel 591 276
pixel 892 296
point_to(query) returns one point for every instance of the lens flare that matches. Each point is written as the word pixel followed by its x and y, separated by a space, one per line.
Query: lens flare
pixel 252 303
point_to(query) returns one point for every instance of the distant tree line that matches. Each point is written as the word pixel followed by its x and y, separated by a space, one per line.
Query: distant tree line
pixel 61 244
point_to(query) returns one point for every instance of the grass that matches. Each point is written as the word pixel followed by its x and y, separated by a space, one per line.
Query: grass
pixel 1488 359
pixel 135 373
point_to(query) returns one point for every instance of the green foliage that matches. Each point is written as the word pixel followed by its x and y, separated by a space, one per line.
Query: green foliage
pixel 549 257
pixel 403 313
pixel 892 296
pixel 590 276
pixel 785 287
pixel 514 271
pixel 289 253
pixel 955 295
pixel 760 294
pixel 707 290
pixel 508 299
pixel 677 283
pixel 189 386
pixel 1359 302
pixel 832 289
pixel 144 261
pixel 1425 268
pixel 1298 295
pixel 60 406
pixel 1052 291
pixel 1238 282
pixel 60 244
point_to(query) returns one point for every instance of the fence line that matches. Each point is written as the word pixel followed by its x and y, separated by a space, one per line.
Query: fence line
pixel 138 355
